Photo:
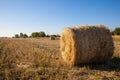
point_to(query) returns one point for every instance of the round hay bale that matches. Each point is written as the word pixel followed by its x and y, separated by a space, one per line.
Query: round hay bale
pixel 86 44
pixel 52 38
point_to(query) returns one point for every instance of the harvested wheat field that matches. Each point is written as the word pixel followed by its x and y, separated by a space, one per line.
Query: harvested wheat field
pixel 41 59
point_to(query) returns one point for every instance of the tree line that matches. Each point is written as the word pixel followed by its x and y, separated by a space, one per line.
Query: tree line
pixel 116 31
pixel 34 35
pixel 21 35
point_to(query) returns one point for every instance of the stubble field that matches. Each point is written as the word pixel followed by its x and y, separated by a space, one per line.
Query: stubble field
pixel 40 59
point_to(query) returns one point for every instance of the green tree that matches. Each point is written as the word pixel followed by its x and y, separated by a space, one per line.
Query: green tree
pixel 116 31
pixel 21 35
pixel 55 35
pixel 38 34
pixel 25 36
pixel 35 34
pixel 16 36
pixel 42 34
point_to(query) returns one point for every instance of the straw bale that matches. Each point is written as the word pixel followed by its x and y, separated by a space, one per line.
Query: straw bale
pixel 86 44
pixel 52 38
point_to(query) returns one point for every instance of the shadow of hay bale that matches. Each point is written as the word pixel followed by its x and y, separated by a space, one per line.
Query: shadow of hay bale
pixel 112 65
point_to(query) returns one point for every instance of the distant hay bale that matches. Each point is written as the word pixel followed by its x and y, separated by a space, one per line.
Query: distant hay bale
pixel 52 38
pixel 86 44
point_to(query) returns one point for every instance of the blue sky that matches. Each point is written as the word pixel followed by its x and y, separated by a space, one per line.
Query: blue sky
pixel 52 16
